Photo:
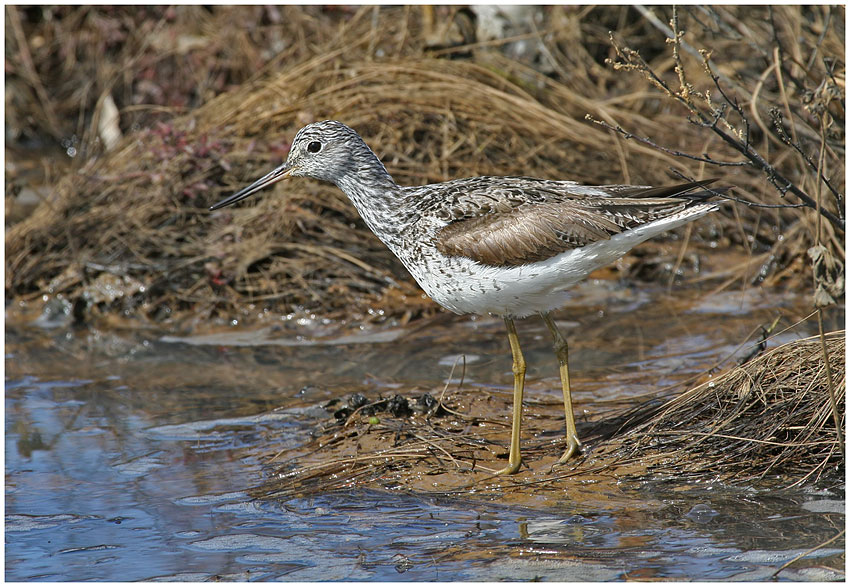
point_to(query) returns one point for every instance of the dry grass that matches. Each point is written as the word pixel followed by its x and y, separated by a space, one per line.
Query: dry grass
pixel 771 417
pixel 433 110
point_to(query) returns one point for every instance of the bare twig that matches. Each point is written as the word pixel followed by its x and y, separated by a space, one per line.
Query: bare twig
pixel 830 384
pixel 715 119
pixel 776 118
pixel 705 158
pixel 649 15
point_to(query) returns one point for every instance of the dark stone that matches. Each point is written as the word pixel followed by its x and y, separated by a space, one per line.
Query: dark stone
pixel 398 406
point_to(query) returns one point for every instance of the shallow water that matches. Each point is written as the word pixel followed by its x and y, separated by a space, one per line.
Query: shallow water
pixel 128 454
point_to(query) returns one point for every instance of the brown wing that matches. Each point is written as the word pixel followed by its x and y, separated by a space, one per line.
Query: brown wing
pixel 514 233
pixel 523 235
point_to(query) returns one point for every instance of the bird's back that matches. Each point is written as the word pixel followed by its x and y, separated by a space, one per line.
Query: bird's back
pixel 508 221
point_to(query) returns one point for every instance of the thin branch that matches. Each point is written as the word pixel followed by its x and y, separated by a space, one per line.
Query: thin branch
pixel 821 37
pixel 705 159
pixel 830 385
pixel 783 55
pixel 737 139
pixel 646 141
pixel 657 23
pixel 777 179
pixel 776 118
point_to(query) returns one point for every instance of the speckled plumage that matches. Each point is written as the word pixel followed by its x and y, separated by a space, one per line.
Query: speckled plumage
pixel 509 246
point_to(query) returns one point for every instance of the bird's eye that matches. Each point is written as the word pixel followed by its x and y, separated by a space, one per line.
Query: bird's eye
pixel 314 146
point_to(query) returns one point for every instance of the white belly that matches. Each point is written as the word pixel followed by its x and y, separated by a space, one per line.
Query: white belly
pixel 466 287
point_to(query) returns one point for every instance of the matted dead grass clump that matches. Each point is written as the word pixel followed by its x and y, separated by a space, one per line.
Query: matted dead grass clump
pixel 769 421
pixel 128 230
pixel 770 417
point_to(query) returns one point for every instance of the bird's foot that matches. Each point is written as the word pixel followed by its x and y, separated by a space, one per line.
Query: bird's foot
pixel 510 469
pixel 573 449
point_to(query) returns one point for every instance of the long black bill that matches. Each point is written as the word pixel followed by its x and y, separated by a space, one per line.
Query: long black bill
pixel 276 175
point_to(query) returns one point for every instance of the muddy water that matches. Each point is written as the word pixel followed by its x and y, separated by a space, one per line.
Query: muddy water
pixel 128 454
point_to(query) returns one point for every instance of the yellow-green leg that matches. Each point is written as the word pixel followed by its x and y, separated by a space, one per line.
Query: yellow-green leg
pixel 573 444
pixel 514 457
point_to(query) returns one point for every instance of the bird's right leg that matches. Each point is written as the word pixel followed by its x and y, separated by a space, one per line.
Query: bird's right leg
pixel 514 457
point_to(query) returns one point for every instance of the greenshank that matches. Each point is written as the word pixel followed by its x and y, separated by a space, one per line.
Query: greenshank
pixel 508 246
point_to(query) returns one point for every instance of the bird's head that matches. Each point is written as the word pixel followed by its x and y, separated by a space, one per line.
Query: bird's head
pixel 327 150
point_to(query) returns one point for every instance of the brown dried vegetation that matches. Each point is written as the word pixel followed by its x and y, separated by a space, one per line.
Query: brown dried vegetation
pixel 434 103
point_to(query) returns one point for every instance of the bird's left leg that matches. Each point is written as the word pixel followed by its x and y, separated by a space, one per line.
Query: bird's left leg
pixel 560 345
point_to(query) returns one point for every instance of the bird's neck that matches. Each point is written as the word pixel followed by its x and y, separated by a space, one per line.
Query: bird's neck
pixel 376 196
